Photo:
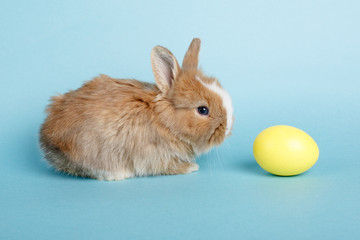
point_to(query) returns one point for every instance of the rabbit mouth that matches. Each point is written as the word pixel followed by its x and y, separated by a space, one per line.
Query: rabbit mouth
pixel 218 135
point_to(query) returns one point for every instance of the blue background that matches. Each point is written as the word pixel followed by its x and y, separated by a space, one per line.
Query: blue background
pixel 283 62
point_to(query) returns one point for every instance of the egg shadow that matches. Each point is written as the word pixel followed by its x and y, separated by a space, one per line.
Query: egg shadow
pixel 252 167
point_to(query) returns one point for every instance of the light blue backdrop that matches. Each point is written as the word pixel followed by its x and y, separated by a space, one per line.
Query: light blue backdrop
pixel 283 62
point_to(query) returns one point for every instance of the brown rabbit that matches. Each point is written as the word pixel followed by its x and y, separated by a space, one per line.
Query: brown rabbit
pixel 112 129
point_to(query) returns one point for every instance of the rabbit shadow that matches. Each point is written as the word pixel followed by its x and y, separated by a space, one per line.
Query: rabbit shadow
pixel 35 161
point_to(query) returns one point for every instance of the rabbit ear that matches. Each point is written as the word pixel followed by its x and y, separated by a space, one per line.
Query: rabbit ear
pixel 192 54
pixel 165 67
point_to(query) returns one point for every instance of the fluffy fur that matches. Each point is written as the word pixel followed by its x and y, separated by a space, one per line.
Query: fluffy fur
pixel 112 129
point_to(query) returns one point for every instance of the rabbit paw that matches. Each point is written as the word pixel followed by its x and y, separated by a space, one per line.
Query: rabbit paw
pixel 193 167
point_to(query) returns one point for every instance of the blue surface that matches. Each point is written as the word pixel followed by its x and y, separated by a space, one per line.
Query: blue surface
pixel 283 62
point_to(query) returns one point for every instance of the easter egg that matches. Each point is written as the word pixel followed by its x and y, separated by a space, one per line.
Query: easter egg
pixel 285 150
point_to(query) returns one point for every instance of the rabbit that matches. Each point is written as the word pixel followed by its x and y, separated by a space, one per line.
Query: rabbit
pixel 113 129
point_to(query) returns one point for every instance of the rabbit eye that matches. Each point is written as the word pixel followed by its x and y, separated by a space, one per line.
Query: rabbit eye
pixel 203 110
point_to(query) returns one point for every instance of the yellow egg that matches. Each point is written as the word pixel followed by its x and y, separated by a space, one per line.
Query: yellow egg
pixel 285 150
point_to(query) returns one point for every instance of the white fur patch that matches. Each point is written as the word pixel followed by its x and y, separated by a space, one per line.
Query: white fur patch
pixel 110 176
pixel 226 100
